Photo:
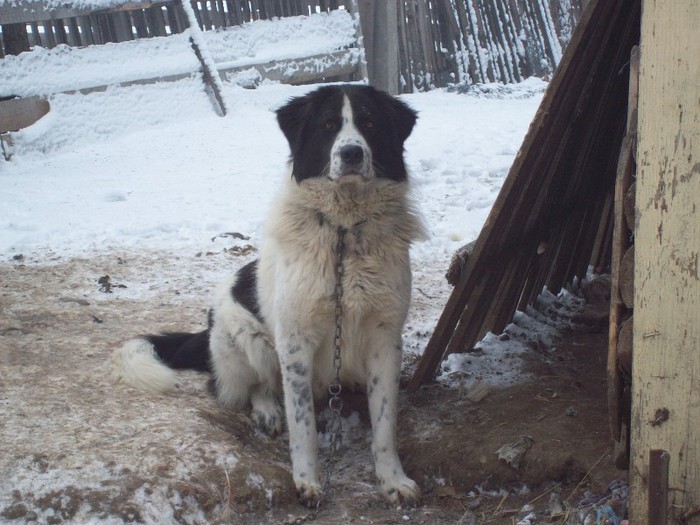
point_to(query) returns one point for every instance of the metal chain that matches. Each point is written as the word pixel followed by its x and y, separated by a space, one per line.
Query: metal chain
pixel 335 403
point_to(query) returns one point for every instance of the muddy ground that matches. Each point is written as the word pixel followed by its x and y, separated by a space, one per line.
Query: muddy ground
pixel 77 448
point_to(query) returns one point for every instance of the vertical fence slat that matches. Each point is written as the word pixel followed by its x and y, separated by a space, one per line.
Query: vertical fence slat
pixel 138 18
pixel 156 20
pixel 35 37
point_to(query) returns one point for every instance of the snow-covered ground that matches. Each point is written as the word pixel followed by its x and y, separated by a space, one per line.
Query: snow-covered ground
pixel 153 166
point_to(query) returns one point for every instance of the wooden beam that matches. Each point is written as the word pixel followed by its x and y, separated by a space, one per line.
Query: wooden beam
pixel 40 10
pixel 292 71
pixel 15 38
pixel 666 364
pixel 527 164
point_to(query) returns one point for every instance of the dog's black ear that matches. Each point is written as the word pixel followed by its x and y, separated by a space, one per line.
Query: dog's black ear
pixel 403 116
pixel 291 118
pixel 400 114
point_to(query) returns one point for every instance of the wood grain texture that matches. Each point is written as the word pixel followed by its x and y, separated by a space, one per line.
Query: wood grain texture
pixel 666 365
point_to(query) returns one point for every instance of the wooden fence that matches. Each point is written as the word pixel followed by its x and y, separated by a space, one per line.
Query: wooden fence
pixel 477 41
pixel 441 42
pixel 29 23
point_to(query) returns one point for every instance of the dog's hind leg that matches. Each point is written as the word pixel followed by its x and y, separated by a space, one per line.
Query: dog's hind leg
pixel 245 368
pixel 237 383
pixel 234 378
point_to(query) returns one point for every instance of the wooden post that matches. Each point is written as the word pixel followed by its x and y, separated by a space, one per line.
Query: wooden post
pixel 666 364
pixel 381 38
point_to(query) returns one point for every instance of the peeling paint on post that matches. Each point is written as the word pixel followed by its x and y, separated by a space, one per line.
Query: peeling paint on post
pixel 666 364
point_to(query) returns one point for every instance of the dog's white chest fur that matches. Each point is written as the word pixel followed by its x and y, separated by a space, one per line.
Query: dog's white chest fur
pixel 298 267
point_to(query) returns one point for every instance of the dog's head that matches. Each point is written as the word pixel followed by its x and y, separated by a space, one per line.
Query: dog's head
pixel 347 132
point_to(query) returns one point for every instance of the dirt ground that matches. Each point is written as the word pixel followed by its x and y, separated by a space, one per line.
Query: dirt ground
pixel 79 449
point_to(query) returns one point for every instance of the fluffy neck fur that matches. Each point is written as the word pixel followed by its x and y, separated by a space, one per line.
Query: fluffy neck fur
pixel 379 206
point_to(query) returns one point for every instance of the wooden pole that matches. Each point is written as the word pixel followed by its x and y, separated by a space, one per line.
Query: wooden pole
pixel 666 364
pixel 381 38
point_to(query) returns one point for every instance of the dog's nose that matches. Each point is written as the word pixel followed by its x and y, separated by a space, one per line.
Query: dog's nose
pixel 351 154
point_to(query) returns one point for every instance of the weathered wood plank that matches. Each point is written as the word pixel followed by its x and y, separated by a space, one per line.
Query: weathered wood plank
pixel 293 71
pixel 15 38
pixel 300 71
pixel 557 186
pixel 600 253
pixel 626 277
pixel 620 243
pixel 629 206
pixel 625 345
pixel 19 113
pixel 666 364
pixel 40 10
pixel 156 20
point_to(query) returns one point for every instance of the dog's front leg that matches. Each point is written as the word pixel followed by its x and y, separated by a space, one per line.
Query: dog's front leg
pixel 384 366
pixel 296 360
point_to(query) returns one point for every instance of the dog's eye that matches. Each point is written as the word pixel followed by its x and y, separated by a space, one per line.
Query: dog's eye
pixel 330 125
pixel 369 124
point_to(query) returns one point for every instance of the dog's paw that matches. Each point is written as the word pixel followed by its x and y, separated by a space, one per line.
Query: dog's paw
pixel 267 415
pixel 269 420
pixel 401 490
pixel 310 494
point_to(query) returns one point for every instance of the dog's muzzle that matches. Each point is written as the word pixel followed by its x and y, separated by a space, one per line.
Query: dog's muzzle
pixel 352 160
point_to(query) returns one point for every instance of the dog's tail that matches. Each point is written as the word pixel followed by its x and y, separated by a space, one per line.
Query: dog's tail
pixel 149 362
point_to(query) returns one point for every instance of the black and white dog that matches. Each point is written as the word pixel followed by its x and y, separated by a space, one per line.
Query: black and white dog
pixel 272 327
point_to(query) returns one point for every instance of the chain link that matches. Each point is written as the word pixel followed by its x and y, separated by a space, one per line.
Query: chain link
pixel 335 403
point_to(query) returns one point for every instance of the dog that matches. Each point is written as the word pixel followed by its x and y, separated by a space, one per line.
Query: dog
pixel 272 327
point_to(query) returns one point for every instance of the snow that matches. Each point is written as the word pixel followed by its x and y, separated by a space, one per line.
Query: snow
pixel 154 167
pixel 56 4
pixel 497 358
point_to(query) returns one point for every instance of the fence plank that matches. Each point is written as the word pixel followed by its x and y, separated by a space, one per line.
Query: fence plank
pixel 156 20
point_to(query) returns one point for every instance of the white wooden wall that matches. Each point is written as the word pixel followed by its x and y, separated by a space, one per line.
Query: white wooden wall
pixel 666 368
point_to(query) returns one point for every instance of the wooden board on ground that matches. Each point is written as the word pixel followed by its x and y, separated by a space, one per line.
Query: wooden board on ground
pixel 18 113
